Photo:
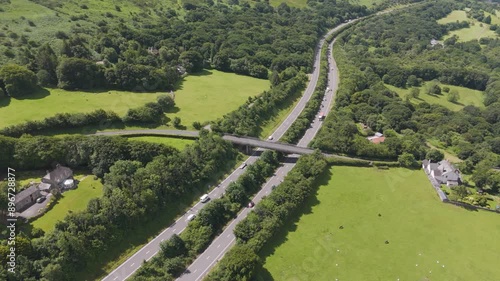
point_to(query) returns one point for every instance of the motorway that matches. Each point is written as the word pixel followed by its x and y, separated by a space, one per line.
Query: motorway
pixel 206 260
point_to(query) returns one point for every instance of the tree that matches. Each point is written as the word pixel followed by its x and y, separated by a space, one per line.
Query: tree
pixel 238 264
pixel 196 125
pixel 176 122
pixel 415 92
pixel 166 102
pixel 173 247
pixel 76 73
pixel 487 19
pixel 46 60
pixel 433 88
pixel 453 96
pixel 192 61
pixel 435 155
pixel 407 160
pixel 17 80
pixel 460 191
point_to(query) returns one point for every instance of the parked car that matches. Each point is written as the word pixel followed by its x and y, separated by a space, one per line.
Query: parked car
pixel 191 217
pixel 204 198
pixel 251 204
pixel 40 199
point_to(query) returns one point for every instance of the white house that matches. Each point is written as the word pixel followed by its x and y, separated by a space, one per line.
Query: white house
pixel 443 172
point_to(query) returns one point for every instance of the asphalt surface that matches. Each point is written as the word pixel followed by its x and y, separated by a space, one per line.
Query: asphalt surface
pixel 223 242
pixel 177 133
pixel 204 262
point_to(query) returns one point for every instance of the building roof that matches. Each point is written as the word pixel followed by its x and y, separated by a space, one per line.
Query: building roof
pixel 44 186
pixel 378 140
pixel 26 193
pixel 59 174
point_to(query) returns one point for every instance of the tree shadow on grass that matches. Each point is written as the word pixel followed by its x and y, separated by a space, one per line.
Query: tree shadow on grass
pixel 4 101
pixel 40 93
pixel 179 85
pixel 174 109
pixel 290 226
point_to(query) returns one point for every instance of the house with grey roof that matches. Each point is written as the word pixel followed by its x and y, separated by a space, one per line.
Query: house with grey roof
pixel 443 172
pixel 61 177
pixel 27 198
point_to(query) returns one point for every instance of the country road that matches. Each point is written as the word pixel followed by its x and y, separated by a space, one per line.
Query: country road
pixel 223 242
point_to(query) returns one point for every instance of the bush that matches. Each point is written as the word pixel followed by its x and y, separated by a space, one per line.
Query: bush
pixel 18 80
pixel 197 125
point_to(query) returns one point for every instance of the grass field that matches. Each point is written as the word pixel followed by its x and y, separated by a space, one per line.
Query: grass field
pixel 291 3
pixel 72 200
pixel 211 94
pixel 48 102
pixel 174 142
pixel 427 238
pixel 467 96
pixel 199 98
pixel 474 32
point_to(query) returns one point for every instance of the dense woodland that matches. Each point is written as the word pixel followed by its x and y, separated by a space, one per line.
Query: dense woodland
pixel 395 49
pixel 153 55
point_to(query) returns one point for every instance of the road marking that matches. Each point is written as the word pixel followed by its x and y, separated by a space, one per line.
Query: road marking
pixel 132 264
pixel 116 278
pixel 162 240
pixel 218 246
pixel 208 257
pixel 215 260
pixel 195 270
pixel 147 252
pixel 174 230
pixel 229 235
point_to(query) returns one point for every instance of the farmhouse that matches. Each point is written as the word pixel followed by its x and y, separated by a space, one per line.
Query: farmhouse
pixel 27 197
pixel 377 138
pixel 61 177
pixel 443 172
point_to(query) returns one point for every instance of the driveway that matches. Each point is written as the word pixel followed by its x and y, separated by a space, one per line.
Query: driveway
pixel 36 209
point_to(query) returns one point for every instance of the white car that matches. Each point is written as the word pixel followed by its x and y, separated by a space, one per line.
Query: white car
pixel 270 138
pixel 243 166
pixel 191 217
pixel 204 198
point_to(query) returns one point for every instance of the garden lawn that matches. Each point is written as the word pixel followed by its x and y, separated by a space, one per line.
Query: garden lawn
pixel 48 102
pixel 427 239
pixel 211 94
pixel 178 143
pixel 474 32
pixel 72 200
pixel 467 96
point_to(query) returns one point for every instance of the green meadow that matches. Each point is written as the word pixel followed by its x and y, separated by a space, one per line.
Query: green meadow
pixel 178 143
pixel 474 32
pixel 394 227
pixel 467 96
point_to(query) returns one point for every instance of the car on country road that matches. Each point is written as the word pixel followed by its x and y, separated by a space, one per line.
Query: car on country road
pixel 41 199
pixel 204 198
pixel 270 138
pixel 191 217
pixel 251 204
pixel 243 166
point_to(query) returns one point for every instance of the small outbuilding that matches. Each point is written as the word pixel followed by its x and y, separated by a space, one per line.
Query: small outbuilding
pixel 27 198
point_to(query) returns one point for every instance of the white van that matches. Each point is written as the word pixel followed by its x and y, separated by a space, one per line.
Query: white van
pixel 243 166
pixel 191 217
pixel 204 198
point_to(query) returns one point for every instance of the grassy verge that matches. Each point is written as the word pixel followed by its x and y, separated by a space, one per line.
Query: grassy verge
pixel 416 225
pixel 178 143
